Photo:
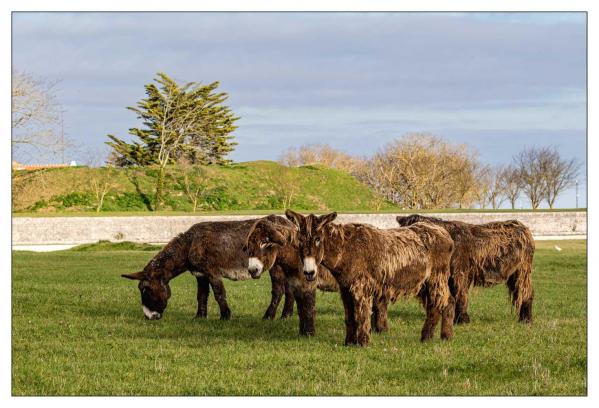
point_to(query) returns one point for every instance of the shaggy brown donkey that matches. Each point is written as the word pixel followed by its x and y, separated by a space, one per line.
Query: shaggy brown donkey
pixel 271 242
pixel 370 263
pixel 210 251
pixel 485 255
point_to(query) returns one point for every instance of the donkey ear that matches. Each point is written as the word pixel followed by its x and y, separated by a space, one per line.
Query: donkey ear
pixel 294 217
pixel 324 220
pixel 135 275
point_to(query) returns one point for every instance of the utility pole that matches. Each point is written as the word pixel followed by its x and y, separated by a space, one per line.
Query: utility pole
pixel 62 137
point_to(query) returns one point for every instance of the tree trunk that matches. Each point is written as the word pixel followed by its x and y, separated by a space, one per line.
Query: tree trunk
pixel 100 203
pixel 159 186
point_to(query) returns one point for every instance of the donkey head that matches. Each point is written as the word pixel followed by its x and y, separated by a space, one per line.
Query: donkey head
pixel 262 245
pixel 311 239
pixel 154 294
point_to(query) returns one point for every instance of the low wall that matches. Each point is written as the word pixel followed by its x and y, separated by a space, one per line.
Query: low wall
pixel 160 229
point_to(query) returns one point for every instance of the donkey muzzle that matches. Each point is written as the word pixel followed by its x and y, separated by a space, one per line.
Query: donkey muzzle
pixel 310 268
pixel 255 267
pixel 151 315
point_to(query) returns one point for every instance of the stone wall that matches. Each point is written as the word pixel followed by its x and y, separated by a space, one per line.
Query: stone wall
pixel 160 229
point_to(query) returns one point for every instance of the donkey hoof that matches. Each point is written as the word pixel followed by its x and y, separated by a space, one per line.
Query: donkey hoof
pixel 462 319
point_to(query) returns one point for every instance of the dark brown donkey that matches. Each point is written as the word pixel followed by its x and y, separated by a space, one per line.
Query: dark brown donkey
pixel 370 263
pixel 210 251
pixel 272 242
pixel 485 255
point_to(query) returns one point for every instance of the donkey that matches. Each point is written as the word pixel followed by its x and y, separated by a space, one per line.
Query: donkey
pixel 485 255
pixel 271 242
pixel 371 264
pixel 210 251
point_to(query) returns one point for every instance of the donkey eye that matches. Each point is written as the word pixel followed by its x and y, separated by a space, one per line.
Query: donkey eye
pixel 317 241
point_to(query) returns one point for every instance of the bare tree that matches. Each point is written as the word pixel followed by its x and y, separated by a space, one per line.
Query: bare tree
pixel 100 183
pixel 35 113
pixel 543 174
pixel 495 189
pixel 319 154
pixel 531 164
pixel 422 171
pixel 191 181
pixel 560 174
pixel 483 186
pixel 511 187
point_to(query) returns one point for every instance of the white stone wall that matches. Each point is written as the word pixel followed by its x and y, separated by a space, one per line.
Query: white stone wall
pixel 160 229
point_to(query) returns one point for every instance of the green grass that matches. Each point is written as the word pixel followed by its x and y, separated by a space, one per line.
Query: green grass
pixel 77 329
pixel 115 246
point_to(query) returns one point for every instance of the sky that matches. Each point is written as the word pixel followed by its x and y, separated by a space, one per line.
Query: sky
pixel 498 82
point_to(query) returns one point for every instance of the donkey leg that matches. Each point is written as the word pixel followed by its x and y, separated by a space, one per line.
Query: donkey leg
pixel 350 323
pixel 300 312
pixel 289 301
pixel 309 302
pixel 526 311
pixel 277 280
pixel 459 289
pixel 202 296
pixel 363 310
pixel 306 310
pixel 461 315
pixel 522 294
pixel 447 319
pixel 221 297
pixel 432 316
pixel 379 314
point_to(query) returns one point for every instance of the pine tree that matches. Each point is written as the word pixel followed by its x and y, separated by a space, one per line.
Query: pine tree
pixel 209 124
pixel 180 122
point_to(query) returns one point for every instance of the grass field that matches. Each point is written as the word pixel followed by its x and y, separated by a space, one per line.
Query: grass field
pixel 77 329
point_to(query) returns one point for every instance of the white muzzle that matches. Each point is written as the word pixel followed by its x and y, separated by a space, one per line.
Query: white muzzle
pixel 255 267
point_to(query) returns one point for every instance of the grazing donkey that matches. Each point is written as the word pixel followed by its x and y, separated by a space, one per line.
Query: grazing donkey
pixel 272 242
pixel 485 255
pixel 210 251
pixel 370 264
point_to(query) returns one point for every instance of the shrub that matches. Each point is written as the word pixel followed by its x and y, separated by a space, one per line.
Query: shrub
pixel 74 199
pixel 130 201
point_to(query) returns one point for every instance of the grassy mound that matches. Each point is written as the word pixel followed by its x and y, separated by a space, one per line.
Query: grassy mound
pixel 259 185
pixel 115 246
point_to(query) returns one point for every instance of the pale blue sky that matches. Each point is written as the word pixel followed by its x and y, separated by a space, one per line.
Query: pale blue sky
pixel 497 81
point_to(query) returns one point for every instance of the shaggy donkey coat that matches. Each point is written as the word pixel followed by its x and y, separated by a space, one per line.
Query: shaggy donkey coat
pixel 372 264
pixel 272 242
pixel 485 255
pixel 210 251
